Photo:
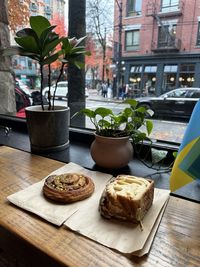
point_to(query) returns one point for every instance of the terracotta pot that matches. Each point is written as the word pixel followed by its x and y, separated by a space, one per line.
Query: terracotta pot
pixel 48 129
pixel 111 152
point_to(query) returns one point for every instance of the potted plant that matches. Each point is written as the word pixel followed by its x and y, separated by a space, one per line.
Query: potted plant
pixel 48 125
pixel 112 147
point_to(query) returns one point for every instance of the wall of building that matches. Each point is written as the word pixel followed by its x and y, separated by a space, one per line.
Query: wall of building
pixel 184 54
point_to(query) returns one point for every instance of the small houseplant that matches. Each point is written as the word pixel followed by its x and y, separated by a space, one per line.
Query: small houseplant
pixel 113 129
pixel 48 131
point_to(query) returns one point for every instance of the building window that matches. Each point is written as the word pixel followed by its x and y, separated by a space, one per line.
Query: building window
pixel 169 5
pixel 33 7
pixel 47 2
pixel 167 36
pixel 149 80
pixel 134 7
pixel 135 81
pixel 169 77
pixel 198 35
pixel 186 75
pixel 132 40
pixel 30 66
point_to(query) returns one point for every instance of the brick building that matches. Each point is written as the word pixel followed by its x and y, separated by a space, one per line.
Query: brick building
pixel 160 44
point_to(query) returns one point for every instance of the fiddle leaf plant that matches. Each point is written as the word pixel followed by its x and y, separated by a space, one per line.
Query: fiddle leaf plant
pixel 41 43
pixel 128 122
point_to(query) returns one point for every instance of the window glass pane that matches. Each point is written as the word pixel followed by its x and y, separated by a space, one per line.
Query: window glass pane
pixel 132 40
pixel 170 5
pixel 150 69
pixel 134 7
pixel 198 34
pixel 153 53
pixel 138 5
pixel 195 94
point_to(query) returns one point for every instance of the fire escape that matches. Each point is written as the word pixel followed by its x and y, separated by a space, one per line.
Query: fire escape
pixel 166 40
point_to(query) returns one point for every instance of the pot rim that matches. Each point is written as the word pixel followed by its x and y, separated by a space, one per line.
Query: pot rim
pixel 111 138
pixel 38 108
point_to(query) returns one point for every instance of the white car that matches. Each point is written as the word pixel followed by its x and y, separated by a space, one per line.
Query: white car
pixel 61 91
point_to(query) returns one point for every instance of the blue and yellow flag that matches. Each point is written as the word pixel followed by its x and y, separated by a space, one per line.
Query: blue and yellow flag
pixel 187 164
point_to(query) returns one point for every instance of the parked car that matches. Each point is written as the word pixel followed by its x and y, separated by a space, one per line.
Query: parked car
pixel 22 100
pixel 20 84
pixel 61 91
pixel 176 103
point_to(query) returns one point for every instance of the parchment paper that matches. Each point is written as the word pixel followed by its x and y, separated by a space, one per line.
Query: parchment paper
pixel 122 236
pixel 84 218
pixel 32 199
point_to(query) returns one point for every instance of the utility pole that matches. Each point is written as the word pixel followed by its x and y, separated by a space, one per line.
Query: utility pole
pixel 119 57
pixel 104 55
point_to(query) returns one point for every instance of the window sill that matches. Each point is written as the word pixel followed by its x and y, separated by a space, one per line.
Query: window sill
pixel 133 17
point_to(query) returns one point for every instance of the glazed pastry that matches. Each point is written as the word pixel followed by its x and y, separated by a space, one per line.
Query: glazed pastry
pixel 127 197
pixel 68 187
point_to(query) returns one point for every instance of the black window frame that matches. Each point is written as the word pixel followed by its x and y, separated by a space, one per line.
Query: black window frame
pixel 135 47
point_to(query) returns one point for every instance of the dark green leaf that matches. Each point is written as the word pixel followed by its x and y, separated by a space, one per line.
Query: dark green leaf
pixel 39 24
pixel 28 43
pixel 50 47
pixel 46 36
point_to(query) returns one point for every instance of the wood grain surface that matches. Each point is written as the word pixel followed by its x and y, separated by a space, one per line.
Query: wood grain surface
pixel 31 240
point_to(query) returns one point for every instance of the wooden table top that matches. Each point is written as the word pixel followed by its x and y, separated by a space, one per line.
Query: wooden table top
pixel 177 242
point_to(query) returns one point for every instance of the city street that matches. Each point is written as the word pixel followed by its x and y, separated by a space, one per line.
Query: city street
pixel 166 130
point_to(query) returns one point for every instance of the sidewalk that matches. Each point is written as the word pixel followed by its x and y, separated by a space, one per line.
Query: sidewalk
pixel 93 96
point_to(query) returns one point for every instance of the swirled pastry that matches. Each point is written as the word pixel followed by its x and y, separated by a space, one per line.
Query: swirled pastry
pixel 68 187
pixel 127 197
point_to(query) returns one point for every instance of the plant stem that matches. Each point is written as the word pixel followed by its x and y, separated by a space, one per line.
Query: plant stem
pixel 41 86
pixel 49 84
pixel 61 72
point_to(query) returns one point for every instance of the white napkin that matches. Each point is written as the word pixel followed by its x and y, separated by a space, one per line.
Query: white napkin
pixel 32 198
pixel 122 236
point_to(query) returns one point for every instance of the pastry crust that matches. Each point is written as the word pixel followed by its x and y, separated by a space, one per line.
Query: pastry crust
pixel 127 197
pixel 68 187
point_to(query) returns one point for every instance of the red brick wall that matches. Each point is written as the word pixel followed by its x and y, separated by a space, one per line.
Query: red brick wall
pixel 187 26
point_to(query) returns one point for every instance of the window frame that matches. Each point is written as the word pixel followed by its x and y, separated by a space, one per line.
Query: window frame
pixel 198 35
pixel 170 7
pixel 135 47
pixel 169 39
pixel 132 8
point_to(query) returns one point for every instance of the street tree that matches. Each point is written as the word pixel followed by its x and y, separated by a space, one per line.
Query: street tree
pixel 18 13
pixel 60 29
pixel 91 62
pixel 99 23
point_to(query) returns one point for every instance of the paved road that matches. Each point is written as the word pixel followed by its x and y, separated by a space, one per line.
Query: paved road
pixel 164 130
